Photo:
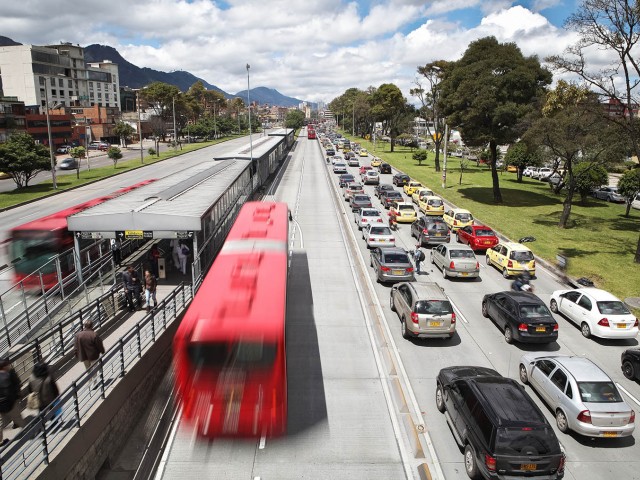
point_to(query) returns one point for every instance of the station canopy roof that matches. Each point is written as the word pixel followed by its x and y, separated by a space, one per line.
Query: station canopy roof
pixel 175 203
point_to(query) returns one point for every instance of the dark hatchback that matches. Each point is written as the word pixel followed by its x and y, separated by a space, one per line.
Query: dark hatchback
pixel 400 179
pixel 430 230
pixel 522 315
pixel 345 179
pixel 384 168
pixel 503 432
pixel 378 189
pixel 359 201
pixel 387 197
pixel 631 363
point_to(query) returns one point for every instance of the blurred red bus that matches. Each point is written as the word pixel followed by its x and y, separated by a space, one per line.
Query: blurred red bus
pixel 311 133
pixel 229 350
pixel 33 244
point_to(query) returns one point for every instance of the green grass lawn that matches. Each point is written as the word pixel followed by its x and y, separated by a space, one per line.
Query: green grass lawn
pixel 600 241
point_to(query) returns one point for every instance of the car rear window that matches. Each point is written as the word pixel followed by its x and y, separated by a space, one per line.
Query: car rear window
pixel 533 310
pixel 521 256
pixel 433 307
pixel 599 392
pixel 370 213
pixel 461 254
pixel 380 231
pixel 436 202
pixel 406 207
pixel 361 198
pixel 485 232
pixel 396 258
pixel 464 217
pixel 612 307
pixel 393 194
pixel 371 173
pixel 526 441
pixel 437 227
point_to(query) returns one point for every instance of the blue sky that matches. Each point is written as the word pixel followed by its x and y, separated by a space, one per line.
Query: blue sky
pixel 312 51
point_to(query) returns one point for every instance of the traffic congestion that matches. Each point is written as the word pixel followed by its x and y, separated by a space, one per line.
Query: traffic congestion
pixel 446 276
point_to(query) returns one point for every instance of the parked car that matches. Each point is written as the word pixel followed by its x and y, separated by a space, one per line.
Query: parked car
pixel 511 259
pixel 387 197
pixel 63 149
pixel 339 167
pixel 358 201
pixel 527 171
pixel 366 216
pixel 522 315
pixel 400 179
pixel 370 177
pixel 636 202
pixel 582 397
pixel 430 231
pixel 406 212
pixel 424 310
pixel 542 174
pixel 532 171
pixel 378 235
pixel 351 189
pixel 478 237
pixel 596 311
pixel 420 193
pixel 501 429
pixel 555 179
pixel 431 205
pixel 378 189
pixel 68 164
pixel 610 194
pixel 455 260
pixel 392 264
pixel 411 187
pixel 457 218
pixel 631 363
pixel 345 179
pixel 384 168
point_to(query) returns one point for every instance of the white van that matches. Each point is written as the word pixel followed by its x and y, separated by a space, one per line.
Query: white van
pixel 636 202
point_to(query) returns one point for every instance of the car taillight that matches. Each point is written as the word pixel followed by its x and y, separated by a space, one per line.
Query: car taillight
pixel 379 220
pixel 392 239
pixel 490 462
pixel 455 222
pixel 385 269
pixel 414 317
pixel 632 418
pixel 509 264
pixel 523 327
pixel 425 232
pixel 452 265
pixel 453 318
pixel 371 239
pixel 584 416
pixel 477 265
pixel 563 460
pixel 635 324
pixel 410 269
pixel 555 327
pixel 604 322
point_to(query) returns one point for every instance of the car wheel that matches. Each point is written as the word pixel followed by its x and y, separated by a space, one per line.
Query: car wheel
pixel 470 462
pixel 444 273
pixel 432 262
pixel 403 328
pixel 487 259
pixel 585 330
pixel 505 273
pixel 485 310
pixel 458 238
pixel 508 335
pixel 609 199
pixel 562 422
pixel 524 378
pixel 628 370
pixel 553 305
pixel 440 399
pixel 392 304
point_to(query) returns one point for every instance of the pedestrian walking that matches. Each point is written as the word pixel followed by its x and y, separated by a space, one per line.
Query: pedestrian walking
pixel 43 385
pixel 88 348
pixel 183 254
pixel 132 288
pixel 175 249
pixel 418 257
pixel 154 256
pixel 115 251
pixel 9 396
pixel 150 284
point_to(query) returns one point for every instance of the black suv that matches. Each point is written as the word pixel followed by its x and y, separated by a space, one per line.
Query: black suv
pixel 430 230
pixel 400 179
pixel 631 363
pixel 384 168
pixel 378 189
pixel 522 315
pixel 503 432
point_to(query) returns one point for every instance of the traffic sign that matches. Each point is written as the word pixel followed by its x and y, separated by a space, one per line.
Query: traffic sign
pixel 184 235
pixel 88 235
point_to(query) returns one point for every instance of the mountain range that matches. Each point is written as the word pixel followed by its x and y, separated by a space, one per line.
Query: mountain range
pixel 136 77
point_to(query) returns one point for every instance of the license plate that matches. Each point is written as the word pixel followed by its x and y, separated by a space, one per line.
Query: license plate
pixel 610 434
pixel 438 235
pixel 398 272
pixel 435 324
pixel 529 467
pixel 622 325
pixel 541 329
pixel 464 274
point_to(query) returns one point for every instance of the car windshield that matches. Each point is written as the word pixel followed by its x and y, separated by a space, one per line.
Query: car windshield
pixel 485 232
pixel 433 307
pixel 533 310
pixel 526 441
pixel 613 307
pixel 464 217
pixel 380 231
pixel 521 256
pixel 370 213
pixel 599 392
pixel 396 258
pixel 250 354
pixel 461 254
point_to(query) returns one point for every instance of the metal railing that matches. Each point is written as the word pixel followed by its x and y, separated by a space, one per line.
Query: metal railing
pixel 52 428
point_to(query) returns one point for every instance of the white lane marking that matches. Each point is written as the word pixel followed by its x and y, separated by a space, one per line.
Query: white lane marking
pixel 167 450
pixel 263 442
pixel 456 308
pixel 627 393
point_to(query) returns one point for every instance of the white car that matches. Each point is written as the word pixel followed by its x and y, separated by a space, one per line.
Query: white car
pixel 378 236
pixel 527 171
pixel 367 216
pixel 542 173
pixel 596 311
pixel 339 167
pixel 636 202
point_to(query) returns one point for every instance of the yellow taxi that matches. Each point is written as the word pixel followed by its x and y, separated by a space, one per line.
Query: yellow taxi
pixel 431 205
pixel 375 162
pixel 4 175
pixel 457 218
pixel 511 259
pixel 346 147
pixel 406 212
pixel 512 168
pixel 411 187
pixel 419 193
pixel 363 152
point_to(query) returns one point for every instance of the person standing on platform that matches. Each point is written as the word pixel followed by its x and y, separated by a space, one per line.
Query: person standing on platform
pixel 183 254
pixel 42 383
pixel 129 282
pixel 115 251
pixel 175 249
pixel 150 284
pixel 88 348
pixel 154 255
pixel 9 396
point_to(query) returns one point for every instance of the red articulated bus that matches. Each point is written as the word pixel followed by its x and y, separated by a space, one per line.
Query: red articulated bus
pixel 34 243
pixel 229 350
pixel 311 133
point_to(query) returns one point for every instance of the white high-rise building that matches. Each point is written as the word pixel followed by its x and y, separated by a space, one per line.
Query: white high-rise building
pixel 27 70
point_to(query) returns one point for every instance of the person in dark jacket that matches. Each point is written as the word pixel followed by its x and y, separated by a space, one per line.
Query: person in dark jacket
pixel 42 382
pixel 88 347
pixel 9 396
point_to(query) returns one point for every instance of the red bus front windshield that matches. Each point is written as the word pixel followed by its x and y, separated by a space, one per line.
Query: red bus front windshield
pixel 241 354
pixel 31 249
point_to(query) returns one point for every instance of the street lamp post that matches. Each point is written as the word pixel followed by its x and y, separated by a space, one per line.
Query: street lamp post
pixel 175 130
pixel 444 163
pixel 353 119
pixel 249 102
pixel 51 155
pixel 215 123
pixel 140 127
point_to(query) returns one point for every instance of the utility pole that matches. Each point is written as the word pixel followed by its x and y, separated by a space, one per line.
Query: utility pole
pixel 444 164
pixel 51 155
pixel 140 127
pixel 249 102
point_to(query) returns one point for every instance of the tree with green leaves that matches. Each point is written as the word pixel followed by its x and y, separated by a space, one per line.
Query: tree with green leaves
pixel 115 154
pixel 629 187
pixel 124 131
pixel 520 156
pixel 487 93
pixel 23 158
pixel 294 119
pixel 420 156
pixel 464 165
pixel 589 176
pixel 389 106
pixel 78 153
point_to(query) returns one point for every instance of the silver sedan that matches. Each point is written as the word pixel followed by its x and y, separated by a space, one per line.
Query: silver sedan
pixel 455 260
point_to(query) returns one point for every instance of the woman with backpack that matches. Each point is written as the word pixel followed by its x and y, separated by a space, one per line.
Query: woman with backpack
pixel 42 387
